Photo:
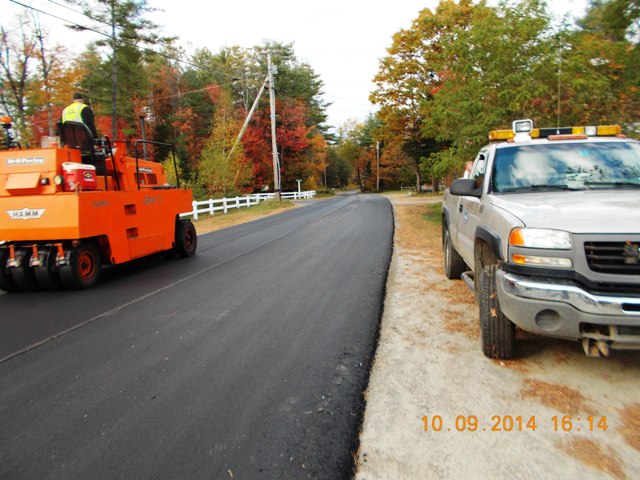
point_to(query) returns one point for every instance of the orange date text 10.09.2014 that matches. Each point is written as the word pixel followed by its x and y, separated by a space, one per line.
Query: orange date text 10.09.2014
pixel 509 423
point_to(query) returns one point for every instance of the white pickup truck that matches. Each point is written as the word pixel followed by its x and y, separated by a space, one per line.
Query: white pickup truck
pixel 546 231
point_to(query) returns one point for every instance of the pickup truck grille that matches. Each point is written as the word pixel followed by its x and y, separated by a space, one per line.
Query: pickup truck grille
pixel 613 257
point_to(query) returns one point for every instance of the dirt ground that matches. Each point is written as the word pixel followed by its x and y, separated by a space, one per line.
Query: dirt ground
pixel 431 386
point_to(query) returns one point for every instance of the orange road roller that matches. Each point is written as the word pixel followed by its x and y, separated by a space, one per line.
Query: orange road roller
pixel 69 209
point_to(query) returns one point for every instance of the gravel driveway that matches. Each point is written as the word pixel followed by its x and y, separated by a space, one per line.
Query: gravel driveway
pixel 437 408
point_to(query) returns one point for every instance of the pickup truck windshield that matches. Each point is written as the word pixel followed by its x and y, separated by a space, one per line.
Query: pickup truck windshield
pixel 566 166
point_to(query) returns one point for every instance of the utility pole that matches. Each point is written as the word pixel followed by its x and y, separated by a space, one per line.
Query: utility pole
pixel 46 68
pixel 377 166
pixel 274 145
pixel 245 89
pixel 559 84
pixel 114 72
pixel 144 139
pixel 325 175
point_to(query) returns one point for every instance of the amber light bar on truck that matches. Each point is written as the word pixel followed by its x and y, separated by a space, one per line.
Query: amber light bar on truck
pixel 592 131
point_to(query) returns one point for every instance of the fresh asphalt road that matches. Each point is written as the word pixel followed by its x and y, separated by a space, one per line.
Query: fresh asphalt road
pixel 248 360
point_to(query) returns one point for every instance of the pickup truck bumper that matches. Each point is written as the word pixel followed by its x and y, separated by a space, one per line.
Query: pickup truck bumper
pixel 565 310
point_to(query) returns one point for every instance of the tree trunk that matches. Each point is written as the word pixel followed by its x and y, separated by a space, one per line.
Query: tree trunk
pixel 45 66
pixel 360 180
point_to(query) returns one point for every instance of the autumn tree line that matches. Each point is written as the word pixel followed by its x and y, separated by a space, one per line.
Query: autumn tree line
pixel 465 69
pixel 459 71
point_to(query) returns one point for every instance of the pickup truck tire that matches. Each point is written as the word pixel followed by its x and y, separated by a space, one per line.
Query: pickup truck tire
pixel 454 265
pixel 497 332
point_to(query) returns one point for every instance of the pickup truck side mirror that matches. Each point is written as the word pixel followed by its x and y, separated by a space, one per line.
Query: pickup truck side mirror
pixel 465 187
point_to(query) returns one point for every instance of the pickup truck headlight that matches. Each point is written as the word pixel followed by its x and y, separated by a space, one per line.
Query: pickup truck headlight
pixel 560 262
pixel 540 238
pixel 543 239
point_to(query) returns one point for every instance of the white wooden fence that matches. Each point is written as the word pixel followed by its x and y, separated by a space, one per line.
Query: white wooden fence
pixel 225 204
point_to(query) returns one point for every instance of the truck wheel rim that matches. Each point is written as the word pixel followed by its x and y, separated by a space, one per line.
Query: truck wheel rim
pixel 188 239
pixel 86 265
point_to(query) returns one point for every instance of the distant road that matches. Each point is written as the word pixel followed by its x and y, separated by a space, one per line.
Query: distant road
pixel 246 361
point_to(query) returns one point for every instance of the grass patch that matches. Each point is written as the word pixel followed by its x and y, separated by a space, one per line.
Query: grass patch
pixel 433 213
pixel 427 194
pixel 412 233
pixel 218 221
pixel 393 193
pixel 324 194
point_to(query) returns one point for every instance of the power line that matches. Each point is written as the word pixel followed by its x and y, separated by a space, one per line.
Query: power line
pixel 181 94
pixel 95 19
pixel 78 27
pixel 347 100
pixel 188 92
pixel 81 13
pixel 75 26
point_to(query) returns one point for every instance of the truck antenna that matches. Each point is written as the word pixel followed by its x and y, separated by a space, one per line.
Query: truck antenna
pixel 559 84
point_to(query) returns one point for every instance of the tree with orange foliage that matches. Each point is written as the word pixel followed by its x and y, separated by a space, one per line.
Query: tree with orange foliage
pixel 465 69
pixel 302 149
pixel 223 169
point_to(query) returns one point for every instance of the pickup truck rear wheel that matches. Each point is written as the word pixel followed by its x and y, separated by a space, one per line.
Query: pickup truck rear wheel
pixel 497 332
pixel 454 265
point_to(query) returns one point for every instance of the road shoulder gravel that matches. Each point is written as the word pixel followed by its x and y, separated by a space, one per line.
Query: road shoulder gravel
pixel 429 369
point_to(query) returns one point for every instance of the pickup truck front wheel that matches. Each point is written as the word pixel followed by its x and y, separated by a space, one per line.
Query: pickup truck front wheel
pixel 454 265
pixel 497 332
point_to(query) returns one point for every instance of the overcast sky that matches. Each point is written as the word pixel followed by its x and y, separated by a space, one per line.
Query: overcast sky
pixel 342 40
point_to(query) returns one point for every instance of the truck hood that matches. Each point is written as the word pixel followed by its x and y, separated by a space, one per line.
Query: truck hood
pixel 589 211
